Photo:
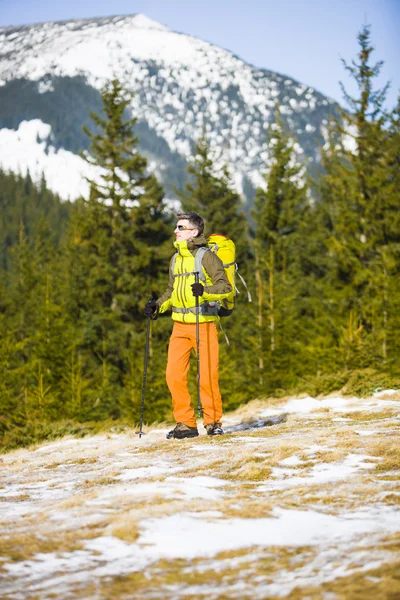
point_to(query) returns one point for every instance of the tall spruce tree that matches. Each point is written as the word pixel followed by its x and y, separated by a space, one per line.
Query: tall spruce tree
pixel 117 254
pixel 280 209
pixel 211 193
pixel 362 204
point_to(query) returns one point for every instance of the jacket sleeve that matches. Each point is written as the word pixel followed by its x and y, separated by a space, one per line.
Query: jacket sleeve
pixel 220 288
pixel 164 302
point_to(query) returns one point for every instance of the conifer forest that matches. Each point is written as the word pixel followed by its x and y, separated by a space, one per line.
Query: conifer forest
pixel 320 252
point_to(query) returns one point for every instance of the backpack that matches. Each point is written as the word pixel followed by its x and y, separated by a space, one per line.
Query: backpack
pixel 225 249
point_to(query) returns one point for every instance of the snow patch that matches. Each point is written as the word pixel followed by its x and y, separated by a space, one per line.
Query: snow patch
pixel 350 139
pixel 199 537
pixel 337 404
pixel 45 86
pixel 291 461
pixel 26 150
pixel 319 474
pixel 143 472
pixel 381 393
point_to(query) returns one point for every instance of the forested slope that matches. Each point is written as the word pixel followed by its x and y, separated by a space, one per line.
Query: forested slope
pixel 323 270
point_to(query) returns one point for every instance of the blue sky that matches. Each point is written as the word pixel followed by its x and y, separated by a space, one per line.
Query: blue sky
pixel 301 38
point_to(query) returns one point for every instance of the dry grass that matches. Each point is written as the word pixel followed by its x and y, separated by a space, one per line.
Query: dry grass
pixel 128 532
pixel 244 508
pixel 18 498
pixel 332 456
pixel 53 465
pixel 243 460
pixel 24 546
pixel 391 499
pixel 77 500
pixel 95 482
pixel 364 416
pixel 284 449
pixel 251 471
pixel 83 461
pixel 389 451
pixel 382 583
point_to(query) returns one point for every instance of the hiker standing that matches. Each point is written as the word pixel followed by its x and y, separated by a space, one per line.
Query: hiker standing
pixel 181 296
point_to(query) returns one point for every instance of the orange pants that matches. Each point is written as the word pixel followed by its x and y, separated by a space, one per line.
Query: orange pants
pixel 183 339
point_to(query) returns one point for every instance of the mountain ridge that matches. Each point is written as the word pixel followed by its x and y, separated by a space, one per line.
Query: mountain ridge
pixel 111 17
pixel 182 85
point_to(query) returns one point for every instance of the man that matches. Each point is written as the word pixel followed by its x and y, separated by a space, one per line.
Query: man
pixel 180 296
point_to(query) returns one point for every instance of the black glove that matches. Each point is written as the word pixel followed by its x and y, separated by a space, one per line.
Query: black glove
pixel 197 289
pixel 151 308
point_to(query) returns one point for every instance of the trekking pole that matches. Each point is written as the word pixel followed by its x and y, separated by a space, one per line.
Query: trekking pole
pixel 146 359
pixel 196 278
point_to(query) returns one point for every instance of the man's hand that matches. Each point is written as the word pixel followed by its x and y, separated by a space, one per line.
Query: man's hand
pixel 197 289
pixel 150 309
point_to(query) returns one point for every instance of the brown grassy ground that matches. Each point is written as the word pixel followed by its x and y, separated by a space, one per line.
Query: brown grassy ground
pixel 57 498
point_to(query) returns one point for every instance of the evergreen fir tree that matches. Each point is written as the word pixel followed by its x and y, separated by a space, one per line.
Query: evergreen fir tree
pixel 280 208
pixel 33 334
pixel 362 204
pixel 117 254
pixel 211 194
pixel 391 252
pixel 21 200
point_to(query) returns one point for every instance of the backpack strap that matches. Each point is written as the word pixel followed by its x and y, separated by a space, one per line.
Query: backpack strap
pixel 198 259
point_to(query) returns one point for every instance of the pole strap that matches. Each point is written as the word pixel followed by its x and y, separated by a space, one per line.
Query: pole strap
pixel 223 331
pixel 245 285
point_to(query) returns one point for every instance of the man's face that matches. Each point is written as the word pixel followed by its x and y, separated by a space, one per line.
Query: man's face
pixel 184 230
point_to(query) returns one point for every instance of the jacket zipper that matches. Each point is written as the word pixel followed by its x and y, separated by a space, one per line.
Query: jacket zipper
pixel 182 290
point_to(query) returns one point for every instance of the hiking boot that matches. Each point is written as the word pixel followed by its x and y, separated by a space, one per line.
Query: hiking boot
pixel 181 431
pixel 214 429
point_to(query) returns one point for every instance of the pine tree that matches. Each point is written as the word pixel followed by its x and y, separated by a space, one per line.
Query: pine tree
pixel 33 334
pixel 391 253
pixel 118 255
pixel 21 200
pixel 210 193
pixel 280 208
pixel 362 205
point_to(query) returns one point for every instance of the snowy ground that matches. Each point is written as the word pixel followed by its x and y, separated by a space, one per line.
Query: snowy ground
pixel 307 507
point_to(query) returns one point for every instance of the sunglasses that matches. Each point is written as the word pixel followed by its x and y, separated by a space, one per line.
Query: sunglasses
pixel 183 228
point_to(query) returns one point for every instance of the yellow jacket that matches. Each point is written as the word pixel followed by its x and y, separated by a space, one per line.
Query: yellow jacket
pixel 179 297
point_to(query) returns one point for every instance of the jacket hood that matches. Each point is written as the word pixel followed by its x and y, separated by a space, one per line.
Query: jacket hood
pixel 197 242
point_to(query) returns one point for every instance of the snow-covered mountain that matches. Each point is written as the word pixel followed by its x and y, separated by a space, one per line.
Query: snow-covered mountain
pixel 51 75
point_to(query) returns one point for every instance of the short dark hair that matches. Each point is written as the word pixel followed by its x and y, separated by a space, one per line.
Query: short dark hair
pixel 194 219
